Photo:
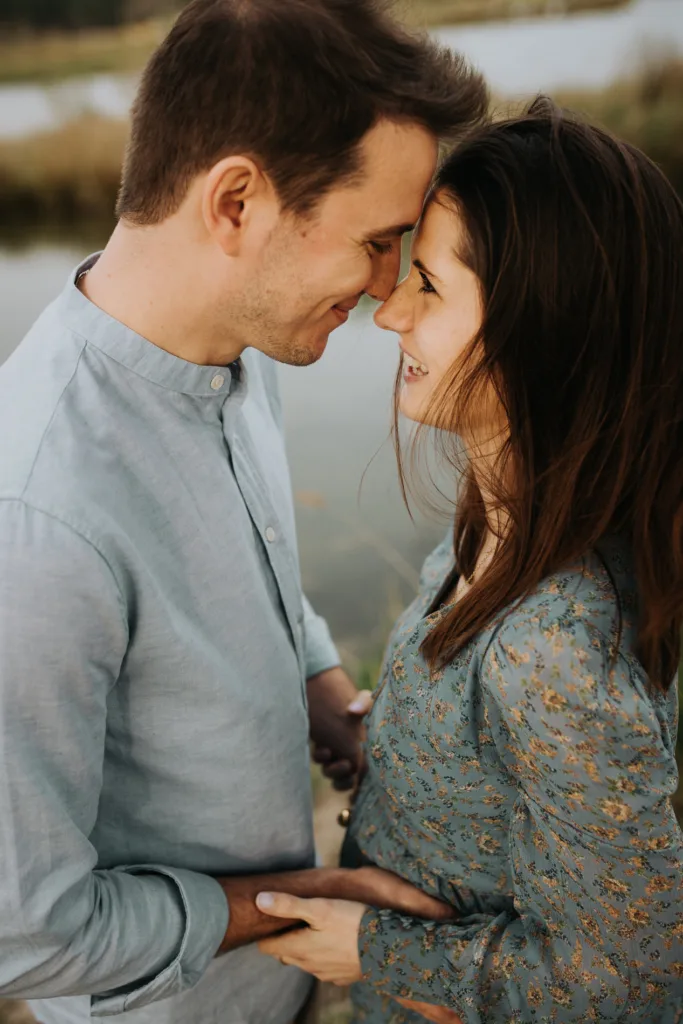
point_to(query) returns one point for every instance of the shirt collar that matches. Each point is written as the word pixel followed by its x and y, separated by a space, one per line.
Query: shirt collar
pixel 136 353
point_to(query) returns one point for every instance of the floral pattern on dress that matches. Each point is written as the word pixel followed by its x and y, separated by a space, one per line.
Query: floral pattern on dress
pixel 529 785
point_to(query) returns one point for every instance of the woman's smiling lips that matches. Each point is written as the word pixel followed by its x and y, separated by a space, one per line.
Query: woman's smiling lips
pixel 413 369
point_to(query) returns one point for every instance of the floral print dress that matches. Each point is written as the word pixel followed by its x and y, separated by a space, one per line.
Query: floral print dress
pixel 529 785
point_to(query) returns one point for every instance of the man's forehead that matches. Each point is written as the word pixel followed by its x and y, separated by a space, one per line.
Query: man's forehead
pixel 398 169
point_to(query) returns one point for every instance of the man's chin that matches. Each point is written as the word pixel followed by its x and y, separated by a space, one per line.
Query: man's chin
pixel 305 354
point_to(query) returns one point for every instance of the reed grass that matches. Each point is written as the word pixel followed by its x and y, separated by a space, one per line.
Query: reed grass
pixel 61 176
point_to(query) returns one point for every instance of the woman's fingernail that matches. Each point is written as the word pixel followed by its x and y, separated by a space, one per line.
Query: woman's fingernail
pixel 357 705
pixel 265 900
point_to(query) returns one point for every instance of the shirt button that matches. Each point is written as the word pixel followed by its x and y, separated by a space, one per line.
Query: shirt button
pixel 270 534
pixel 217 382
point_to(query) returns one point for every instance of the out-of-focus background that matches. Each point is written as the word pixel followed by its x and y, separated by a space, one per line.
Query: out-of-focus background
pixel 68 73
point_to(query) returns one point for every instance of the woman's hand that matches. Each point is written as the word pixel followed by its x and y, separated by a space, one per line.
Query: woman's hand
pixel 328 948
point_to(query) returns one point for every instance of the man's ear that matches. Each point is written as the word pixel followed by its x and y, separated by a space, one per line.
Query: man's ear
pixel 235 197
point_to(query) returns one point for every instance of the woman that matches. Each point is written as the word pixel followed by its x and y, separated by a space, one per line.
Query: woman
pixel 521 744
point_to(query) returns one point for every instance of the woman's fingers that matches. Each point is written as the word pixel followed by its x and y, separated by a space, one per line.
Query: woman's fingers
pixel 361 703
pixel 289 949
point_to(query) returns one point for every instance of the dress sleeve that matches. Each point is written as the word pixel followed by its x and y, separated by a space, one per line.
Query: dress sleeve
pixel 596 855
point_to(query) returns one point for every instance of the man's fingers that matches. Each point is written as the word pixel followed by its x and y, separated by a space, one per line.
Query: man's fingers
pixel 436 1014
pixel 321 755
pixel 338 770
pixel 345 784
pixel 281 904
pixel 361 703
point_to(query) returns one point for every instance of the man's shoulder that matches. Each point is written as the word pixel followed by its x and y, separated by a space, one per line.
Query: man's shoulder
pixel 33 382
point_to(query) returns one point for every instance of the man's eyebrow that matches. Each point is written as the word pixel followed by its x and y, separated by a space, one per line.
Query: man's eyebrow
pixel 419 265
pixel 391 232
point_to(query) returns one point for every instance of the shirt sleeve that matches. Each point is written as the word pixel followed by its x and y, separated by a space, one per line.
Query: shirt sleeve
pixel 596 858
pixel 126 936
pixel 321 653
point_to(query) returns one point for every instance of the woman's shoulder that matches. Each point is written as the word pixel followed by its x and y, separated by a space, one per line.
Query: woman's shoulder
pixel 593 601
pixel 567 653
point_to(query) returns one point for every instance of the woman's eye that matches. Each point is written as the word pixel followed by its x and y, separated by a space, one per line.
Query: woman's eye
pixel 382 247
pixel 427 287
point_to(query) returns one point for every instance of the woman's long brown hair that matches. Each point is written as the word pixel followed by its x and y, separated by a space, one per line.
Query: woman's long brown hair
pixel 577 241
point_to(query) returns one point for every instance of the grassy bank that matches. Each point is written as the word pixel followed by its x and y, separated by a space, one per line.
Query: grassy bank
pixel 59 55
pixel 62 176
pixel 73 173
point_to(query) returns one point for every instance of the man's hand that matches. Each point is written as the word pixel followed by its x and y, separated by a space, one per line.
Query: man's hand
pixel 336 710
pixel 437 1014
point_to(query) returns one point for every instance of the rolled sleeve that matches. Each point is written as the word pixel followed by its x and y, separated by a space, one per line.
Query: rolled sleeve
pixel 202 922
pixel 321 652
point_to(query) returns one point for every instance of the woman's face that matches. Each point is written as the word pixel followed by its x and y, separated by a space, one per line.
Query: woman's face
pixel 436 310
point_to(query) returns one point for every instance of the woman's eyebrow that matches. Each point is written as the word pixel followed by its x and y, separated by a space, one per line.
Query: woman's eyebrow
pixel 419 265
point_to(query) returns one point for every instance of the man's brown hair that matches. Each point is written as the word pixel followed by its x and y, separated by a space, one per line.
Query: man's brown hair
pixel 295 84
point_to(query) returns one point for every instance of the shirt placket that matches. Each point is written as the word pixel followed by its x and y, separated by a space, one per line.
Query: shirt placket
pixel 267 524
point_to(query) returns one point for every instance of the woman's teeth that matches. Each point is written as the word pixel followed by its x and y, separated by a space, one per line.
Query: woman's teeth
pixel 419 369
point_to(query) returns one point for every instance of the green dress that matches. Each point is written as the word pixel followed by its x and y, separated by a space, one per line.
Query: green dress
pixel 528 784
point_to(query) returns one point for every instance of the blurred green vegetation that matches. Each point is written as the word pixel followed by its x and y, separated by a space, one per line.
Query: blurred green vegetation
pixel 647 110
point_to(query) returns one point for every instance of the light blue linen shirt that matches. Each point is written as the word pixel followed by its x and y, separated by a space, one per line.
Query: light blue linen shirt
pixel 154 648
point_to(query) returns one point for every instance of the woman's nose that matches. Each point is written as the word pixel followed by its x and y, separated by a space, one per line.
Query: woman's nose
pixel 395 314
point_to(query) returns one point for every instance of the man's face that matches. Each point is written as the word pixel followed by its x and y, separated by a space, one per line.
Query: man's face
pixel 312 271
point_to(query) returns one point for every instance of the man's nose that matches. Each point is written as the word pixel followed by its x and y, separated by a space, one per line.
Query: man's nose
pixel 386 275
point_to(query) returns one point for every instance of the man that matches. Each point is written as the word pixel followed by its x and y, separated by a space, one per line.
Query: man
pixel 160 669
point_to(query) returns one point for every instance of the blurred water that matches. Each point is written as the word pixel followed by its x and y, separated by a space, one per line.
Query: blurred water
pixel 588 50
pixel 518 57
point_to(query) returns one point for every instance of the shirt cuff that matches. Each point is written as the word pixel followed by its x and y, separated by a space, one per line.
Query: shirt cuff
pixel 321 654
pixel 205 922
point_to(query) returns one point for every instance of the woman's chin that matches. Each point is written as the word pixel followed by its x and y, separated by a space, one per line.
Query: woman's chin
pixel 411 406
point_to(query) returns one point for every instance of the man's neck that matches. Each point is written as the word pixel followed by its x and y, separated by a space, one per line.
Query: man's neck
pixel 147 280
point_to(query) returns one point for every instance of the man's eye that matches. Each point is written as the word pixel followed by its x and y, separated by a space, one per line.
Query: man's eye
pixel 382 247
pixel 427 287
